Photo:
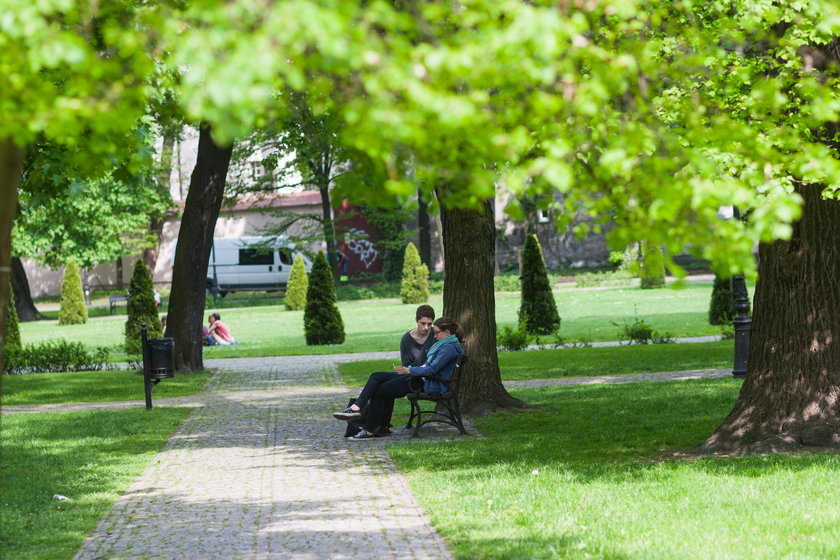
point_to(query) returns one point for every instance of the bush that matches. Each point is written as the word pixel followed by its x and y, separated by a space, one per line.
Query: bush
pixel 560 342
pixel 652 267
pixel 54 356
pixel 511 339
pixel 322 322
pixel 639 332
pixel 295 297
pixel 11 336
pixel 73 310
pixel 415 277
pixel 538 310
pixel 604 278
pixel 722 304
pixel 140 308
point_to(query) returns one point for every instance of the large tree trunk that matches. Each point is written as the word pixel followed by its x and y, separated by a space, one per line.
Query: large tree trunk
pixel 24 305
pixel 11 166
pixel 192 254
pixel 791 394
pixel 469 240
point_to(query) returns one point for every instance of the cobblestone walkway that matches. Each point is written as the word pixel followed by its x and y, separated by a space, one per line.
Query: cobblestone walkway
pixel 263 472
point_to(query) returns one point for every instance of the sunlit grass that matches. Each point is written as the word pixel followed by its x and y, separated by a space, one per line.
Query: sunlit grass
pixel 577 362
pixel 89 457
pixel 376 325
pixel 94 386
pixel 600 472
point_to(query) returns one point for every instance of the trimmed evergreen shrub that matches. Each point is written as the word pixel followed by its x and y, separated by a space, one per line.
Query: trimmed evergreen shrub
pixel 415 277
pixel 295 297
pixel 141 309
pixel 722 304
pixel 73 310
pixel 322 322
pixel 652 267
pixel 538 310
pixel 11 336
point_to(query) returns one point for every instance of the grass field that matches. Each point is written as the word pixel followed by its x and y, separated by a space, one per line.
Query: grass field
pixel 577 362
pixel 599 472
pixel 89 457
pixel 376 325
pixel 94 386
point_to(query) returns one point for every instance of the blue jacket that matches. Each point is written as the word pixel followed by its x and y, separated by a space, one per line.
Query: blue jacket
pixel 442 366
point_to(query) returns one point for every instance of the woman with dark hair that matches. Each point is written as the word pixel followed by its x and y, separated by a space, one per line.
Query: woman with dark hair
pixel 440 362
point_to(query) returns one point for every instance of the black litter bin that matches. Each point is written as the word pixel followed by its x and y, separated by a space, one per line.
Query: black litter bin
pixel 161 357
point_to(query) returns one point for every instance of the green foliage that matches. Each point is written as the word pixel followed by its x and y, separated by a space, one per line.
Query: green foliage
pixel 604 278
pixel 415 277
pixel 322 322
pixel 54 355
pixel 11 336
pixel 652 266
pixel 638 331
pixel 295 297
pixel 538 310
pixel 73 310
pixel 722 304
pixel 510 339
pixel 389 225
pixel 140 309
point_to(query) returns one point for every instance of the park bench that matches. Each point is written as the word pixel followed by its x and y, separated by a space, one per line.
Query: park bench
pixel 446 409
pixel 114 300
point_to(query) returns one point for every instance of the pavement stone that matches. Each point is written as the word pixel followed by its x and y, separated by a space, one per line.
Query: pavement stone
pixel 263 472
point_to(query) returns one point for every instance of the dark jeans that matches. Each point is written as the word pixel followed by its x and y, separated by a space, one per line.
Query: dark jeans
pixel 381 386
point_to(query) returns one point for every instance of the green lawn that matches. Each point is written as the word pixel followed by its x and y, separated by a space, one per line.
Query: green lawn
pixel 376 325
pixel 90 457
pixel 94 386
pixel 597 472
pixel 577 362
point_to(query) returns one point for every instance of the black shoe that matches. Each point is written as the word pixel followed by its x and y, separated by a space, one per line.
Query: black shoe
pixel 362 435
pixel 348 414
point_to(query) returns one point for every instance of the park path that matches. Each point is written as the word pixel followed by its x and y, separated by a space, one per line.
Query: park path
pixel 263 472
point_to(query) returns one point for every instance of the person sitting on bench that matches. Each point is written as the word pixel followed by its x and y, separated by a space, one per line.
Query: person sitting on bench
pixel 382 385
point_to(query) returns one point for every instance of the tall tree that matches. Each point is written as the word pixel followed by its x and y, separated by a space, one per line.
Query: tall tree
pixel 192 254
pixel 26 309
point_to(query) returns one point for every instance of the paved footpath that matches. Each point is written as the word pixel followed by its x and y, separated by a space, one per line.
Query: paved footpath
pixel 262 471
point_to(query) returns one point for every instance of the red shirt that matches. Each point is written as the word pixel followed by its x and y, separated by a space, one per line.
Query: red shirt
pixel 222 330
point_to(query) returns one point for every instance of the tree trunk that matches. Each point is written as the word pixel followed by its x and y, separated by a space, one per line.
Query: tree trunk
pixel 424 232
pixel 24 305
pixel 791 394
pixel 192 254
pixel 11 166
pixel 150 254
pixel 329 230
pixel 119 264
pixel 469 240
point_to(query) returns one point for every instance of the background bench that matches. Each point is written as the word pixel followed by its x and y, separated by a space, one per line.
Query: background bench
pixel 114 300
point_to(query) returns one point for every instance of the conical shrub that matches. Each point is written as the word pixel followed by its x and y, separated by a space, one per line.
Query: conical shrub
pixel 722 304
pixel 415 277
pixel 652 267
pixel 141 309
pixel 73 310
pixel 295 298
pixel 11 336
pixel 322 322
pixel 537 310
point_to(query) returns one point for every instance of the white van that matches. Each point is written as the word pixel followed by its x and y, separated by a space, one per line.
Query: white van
pixel 251 263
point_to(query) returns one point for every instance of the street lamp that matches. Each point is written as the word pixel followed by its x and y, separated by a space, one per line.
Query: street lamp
pixel 742 321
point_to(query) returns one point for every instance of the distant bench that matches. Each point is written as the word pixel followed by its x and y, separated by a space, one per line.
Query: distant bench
pixel 113 301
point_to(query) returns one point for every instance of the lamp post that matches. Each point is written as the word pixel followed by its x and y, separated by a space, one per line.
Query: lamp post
pixel 742 321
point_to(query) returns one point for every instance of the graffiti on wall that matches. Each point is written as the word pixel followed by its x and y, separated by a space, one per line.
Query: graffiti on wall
pixel 359 244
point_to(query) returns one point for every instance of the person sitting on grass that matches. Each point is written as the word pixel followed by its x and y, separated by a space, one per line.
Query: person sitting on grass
pixel 218 332
pixel 383 385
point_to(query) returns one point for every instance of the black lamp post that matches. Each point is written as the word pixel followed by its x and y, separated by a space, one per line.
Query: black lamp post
pixel 742 321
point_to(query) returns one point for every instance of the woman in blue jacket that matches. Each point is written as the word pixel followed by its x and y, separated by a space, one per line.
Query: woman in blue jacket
pixel 440 362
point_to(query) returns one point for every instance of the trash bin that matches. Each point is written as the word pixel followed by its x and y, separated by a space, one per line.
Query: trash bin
pixel 161 357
